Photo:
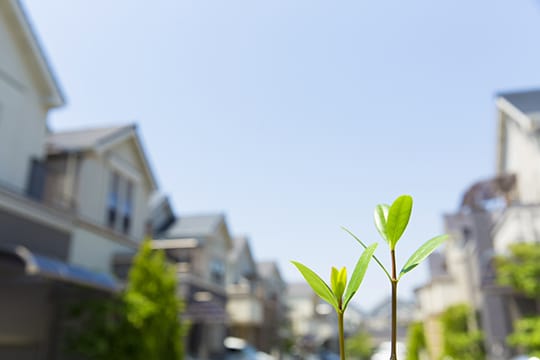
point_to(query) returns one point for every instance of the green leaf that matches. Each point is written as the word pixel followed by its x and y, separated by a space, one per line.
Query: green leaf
pixel 317 284
pixel 380 216
pixel 341 283
pixel 365 247
pixel 334 273
pixel 358 273
pixel 422 253
pixel 398 218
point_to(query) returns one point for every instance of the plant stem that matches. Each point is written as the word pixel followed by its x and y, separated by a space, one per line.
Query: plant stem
pixel 341 336
pixel 393 352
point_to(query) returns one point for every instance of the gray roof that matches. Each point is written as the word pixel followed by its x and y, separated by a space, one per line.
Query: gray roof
pixel 82 140
pixel 239 244
pixel 267 269
pixel 193 226
pixel 299 289
pixel 528 102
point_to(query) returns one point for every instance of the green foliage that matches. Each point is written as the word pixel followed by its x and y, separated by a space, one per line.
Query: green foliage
pixel 422 253
pixel 391 222
pixel 317 284
pixel 365 247
pixel 334 295
pixel 521 269
pixel 152 306
pixel 338 280
pixel 398 219
pixel 379 216
pixel 527 335
pixel 359 346
pixel 460 342
pixel 141 323
pixel 416 341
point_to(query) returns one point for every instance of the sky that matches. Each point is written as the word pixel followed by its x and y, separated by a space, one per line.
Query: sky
pixel 296 117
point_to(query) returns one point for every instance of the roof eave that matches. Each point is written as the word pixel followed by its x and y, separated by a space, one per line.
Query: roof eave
pixel 55 97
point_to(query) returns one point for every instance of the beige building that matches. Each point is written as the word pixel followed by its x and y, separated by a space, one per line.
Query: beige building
pixel 103 176
pixel 68 202
pixel 494 214
pixel 273 292
pixel 245 302
pixel 200 244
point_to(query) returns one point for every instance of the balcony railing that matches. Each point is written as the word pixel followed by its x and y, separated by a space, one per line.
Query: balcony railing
pixel 50 186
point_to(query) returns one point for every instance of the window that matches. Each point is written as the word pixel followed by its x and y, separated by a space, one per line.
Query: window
pixel 112 200
pixel 127 208
pixel 217 271
pixel 120 203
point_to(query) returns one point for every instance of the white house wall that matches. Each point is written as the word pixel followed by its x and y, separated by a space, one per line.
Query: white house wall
pixel 94 252
pixel 520 224
pixel 522 156
pixel 437 297
pixel 22 115
pixel 95 174
pixel 245 310
pixel 92 189
pixel 124 159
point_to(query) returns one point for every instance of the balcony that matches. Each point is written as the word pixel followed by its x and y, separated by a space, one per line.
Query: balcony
pixel 50 184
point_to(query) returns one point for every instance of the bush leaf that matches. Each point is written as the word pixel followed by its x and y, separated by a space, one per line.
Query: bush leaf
pixel 358 273
pixel 398 219
pixel 317 284
pixel 422 253
pixel 380 216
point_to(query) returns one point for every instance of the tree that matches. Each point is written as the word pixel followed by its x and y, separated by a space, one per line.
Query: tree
pixel 143 322
pixel 459 341
pixel 359 346
pixel 521 271
pixel 416 341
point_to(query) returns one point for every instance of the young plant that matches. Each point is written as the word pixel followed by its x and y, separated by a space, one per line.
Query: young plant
pixel 391 222
pixel 339 293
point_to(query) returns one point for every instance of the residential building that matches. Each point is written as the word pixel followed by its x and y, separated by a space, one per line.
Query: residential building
pixel 106 178
pixel 378 320
pixel 313 322
pixel 200 245
pixel 272 331
pixel 57 239
pixel 494 214
pixel 245 303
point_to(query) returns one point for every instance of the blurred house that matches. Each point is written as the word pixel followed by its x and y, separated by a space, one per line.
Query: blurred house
pixel 494 213
pixel 200 245
pixel 68 201
pixel 379 319
pixel 105 177
pixel 273 289
pixel 245 302
pixel 314 323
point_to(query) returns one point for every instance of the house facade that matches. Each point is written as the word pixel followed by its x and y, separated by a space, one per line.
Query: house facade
pixel 245 302
pixel 200 244
pixel 57 240
pixel 105 178
pixel 494 213
pixel 273 291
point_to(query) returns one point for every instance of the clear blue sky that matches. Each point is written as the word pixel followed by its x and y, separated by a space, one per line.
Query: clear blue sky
pixel 294 117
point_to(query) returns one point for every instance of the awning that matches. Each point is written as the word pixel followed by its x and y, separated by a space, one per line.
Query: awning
pixel 43 266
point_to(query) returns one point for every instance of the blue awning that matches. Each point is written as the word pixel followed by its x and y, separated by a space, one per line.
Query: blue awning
pixel 39 265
